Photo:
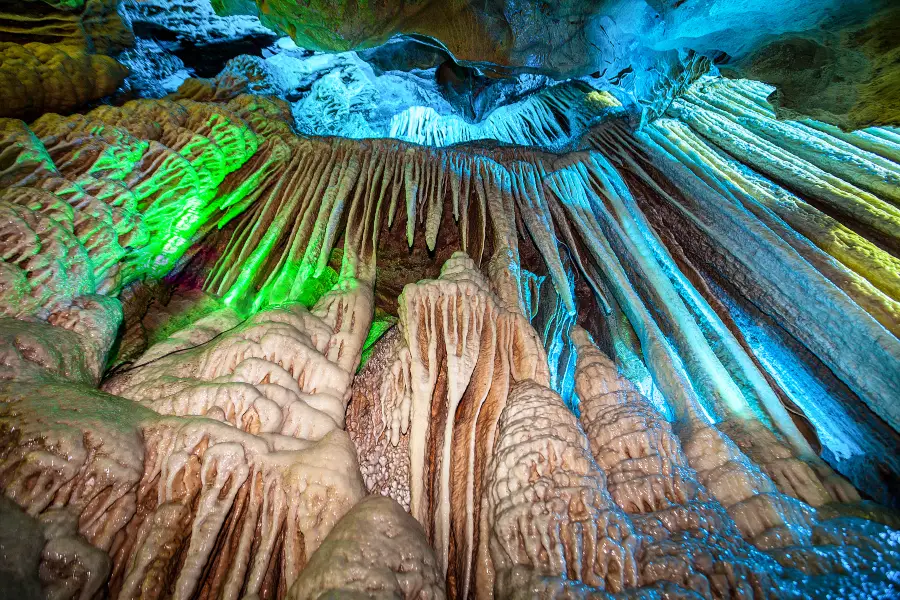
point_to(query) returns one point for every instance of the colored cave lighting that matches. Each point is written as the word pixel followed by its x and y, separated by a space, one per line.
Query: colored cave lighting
pixel 571 349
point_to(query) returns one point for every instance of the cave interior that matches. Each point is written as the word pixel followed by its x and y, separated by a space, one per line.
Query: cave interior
pixel 427 299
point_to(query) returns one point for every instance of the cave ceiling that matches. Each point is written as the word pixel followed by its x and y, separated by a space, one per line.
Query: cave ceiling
pixel 826 57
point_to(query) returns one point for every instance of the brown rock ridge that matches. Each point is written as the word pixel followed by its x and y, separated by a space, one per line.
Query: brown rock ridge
pixel 39 78
pixel 56 56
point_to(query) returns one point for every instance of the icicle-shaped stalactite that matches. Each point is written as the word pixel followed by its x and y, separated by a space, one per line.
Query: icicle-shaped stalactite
pixel 551 118
pixel 865 332
pixel 280 247
pixel 749 244
pixel 641 273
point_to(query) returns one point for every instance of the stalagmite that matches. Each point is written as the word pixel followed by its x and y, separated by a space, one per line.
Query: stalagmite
pixel 383 452
pixel 376 550
pixel 456 334
pixel 650 478
pixel 150 489
pixel 546 508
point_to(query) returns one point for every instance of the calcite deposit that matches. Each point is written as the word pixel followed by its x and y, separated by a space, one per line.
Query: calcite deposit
pixel 625 336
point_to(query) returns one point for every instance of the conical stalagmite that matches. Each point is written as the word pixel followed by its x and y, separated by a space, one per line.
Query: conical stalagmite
pixel 550 520
pixel 375 550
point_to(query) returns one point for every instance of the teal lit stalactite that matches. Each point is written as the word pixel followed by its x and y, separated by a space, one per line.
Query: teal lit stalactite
pixel 859 287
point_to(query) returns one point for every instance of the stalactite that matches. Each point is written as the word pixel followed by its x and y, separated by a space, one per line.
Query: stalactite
pixel 551 118
pixel 332 180
pixel 729 222
pixel 665 369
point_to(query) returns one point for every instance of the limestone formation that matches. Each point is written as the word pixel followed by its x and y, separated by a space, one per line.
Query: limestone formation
pixel 93 26
pixel 39 78
pixel 628 362
pixel 547 119
pixel 149 489
pixel 845 77
pixel 548 515
pixel 192 24
pixel 652 479
pixel 378 551
pixel 834 60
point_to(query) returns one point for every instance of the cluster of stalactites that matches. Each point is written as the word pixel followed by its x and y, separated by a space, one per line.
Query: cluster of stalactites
pixel 843 184
pixel 765 211
pixel 576 209
pixel 508 487
pixel 515 494
pixel 98 200
pixel 282 243
pixel 552 118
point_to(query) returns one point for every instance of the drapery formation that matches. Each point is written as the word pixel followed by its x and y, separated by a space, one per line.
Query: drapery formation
pixel 737 273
